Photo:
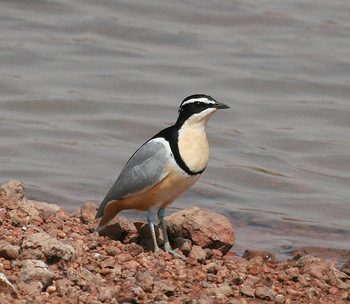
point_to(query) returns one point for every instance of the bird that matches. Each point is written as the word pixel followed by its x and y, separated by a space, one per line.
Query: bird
pixel 163 168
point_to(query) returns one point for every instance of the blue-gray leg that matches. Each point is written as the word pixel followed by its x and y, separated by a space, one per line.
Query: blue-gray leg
pixel 167 247
pixel 150 219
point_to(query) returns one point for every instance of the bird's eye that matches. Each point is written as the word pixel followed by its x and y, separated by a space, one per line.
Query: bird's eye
pixel 197 104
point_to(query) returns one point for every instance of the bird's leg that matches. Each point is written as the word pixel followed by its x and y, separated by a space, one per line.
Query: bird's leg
pixel 153 233
pixel 167 247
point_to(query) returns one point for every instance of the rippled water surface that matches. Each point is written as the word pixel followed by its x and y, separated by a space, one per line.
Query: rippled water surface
pixel 85 83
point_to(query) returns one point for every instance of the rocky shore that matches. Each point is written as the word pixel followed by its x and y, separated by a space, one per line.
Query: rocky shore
pixel 50 256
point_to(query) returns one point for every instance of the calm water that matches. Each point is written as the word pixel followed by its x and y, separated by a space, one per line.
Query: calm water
pixel 85 83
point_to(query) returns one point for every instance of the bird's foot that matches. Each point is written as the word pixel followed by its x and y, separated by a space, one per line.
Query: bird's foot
pixel 157 250
pixel 168 249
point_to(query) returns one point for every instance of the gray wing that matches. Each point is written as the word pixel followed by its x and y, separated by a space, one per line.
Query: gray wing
pixel 144 169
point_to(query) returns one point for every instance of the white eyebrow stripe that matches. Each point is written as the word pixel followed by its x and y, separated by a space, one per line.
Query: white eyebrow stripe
pixel 204 100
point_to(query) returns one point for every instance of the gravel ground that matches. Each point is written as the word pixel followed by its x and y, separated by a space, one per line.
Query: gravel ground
pixel 50 256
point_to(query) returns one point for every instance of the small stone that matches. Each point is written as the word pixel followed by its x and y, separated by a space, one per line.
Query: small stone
pixel 247 291
pixel 292 292
pixel 185 245
pixel 35 270
pixel 292 273
pixel 236 278
pixel 122 229
pixel 165 287
pixel 86 212
pixel 279 299
pixel 131 265
pixel 320 269
pixel 345 295
pixel 198 254
pixel 106 294
pixel 216 253
pixel 134 249
pixel 223 290
pixel 51 289
pixel 112 250
pixel 265 293
pixel 124 257
pixel 53 249
pixel 211 277
pixel 32 289
pixel 212 267
pixel 6 286
pixel 9 251
pixel 346 267
pixel 311 293
pixel 145 280
pixel 204 299
pixel 44 207
pixel 13 190
pixel 282 276
pixel 206 284
pixel 265 255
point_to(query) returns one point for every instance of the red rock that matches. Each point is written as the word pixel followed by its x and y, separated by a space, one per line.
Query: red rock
pixel 51 289
pixel 320 269
pixel 31 289
pixel 164 287
pixel 208 230
pixel 122 229
pixel 256 261
pixel 112 250
pixel 86 212
pixel 185 245
pixel 265 293
pixel 134 249
pixel 124 257
pixel 9 251
pixel 35 270
pixel 213 267
pixel 237 278
pixel 205 299
pixel 53 249
pixel 13 191
pixel 265 255
pixel 127 291
pixel 131 265
pixel 346 268
pixel 292 273
pixel 6 286
pixel 44 207
pixel 216 253
pixel 198 254
pixel 106 294
pixel 220 291
pixel 145 280
pixel 311 293
pixel 247 291
pixel 254 270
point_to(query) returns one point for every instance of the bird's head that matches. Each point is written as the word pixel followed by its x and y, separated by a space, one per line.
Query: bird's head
pixel 198 107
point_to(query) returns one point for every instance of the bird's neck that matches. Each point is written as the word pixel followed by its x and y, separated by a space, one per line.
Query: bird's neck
pixel 193 143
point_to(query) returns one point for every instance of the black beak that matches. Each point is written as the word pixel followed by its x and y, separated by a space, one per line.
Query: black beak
pixel 221 106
